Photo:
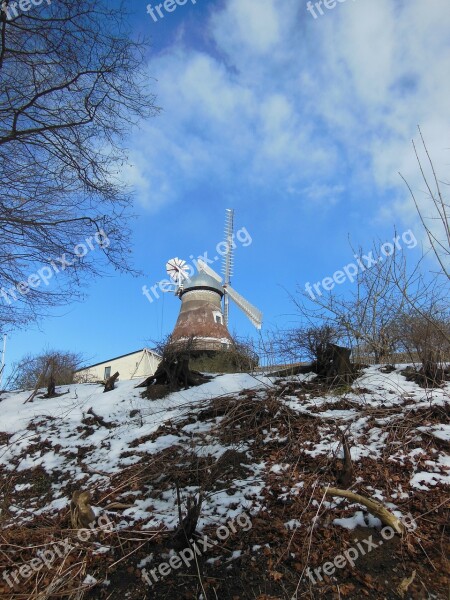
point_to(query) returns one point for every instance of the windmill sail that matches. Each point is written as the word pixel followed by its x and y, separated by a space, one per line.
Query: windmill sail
pixel 251 311
pixel 227 259
pixel 204 267
pixel 227 267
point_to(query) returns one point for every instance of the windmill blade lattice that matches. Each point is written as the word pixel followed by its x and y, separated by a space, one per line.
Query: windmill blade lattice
pixel 254 314
pixel 227 266
pixel 227 261
pixel 206 269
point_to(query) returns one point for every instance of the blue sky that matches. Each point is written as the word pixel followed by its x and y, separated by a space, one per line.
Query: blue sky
pixel 299 124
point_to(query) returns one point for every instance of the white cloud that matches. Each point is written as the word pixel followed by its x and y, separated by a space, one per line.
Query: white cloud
pixel 285 101
pixel 246 27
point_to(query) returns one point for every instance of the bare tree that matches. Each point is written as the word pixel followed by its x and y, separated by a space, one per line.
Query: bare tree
pixel 315 340
pixel 363 314
pixel 426 334
pixel 242 356
pixel 318 343
pixel 46 369
pixel 307 342
pixel 435 221
pixel 73 86
pixel 390 308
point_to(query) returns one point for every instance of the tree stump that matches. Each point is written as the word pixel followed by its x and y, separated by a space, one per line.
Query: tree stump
pixel 174 371
pixel 51 388
pixel 109 384
pixel 187 524
pixel 81 513
pixel 334 364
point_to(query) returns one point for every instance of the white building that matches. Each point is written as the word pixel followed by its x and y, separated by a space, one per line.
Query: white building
pixel 135 365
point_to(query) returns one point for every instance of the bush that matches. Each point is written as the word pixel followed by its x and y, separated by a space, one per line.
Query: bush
pixel 40 368
pixel 426 335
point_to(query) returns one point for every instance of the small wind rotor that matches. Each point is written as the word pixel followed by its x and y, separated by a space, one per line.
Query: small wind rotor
pixel 252 313
pixel 178 270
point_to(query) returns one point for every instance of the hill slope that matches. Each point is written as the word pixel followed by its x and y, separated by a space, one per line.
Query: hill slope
pixel 261 452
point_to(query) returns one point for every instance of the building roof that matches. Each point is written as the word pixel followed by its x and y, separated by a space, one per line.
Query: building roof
pixel 202 280
pixel 102 362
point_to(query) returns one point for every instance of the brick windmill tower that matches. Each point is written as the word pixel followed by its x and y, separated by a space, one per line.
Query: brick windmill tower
pixel 205 300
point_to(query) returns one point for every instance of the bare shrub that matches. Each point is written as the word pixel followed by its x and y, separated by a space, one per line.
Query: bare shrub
pixel 52 367
pixel 426 335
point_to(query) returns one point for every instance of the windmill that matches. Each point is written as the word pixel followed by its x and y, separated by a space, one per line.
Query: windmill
pixel 201 315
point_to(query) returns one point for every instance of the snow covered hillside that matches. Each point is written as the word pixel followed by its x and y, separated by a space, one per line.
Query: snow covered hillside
pixel 252 445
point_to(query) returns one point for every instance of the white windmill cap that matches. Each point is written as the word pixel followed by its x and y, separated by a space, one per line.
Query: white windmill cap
pixel 202 281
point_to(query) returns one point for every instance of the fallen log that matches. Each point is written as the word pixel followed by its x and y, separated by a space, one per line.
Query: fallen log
pixel 291 370
pixel 377 509
pixel 100 420
pixel 118 506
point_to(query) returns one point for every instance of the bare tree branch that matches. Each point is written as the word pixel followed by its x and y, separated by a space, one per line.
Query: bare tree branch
pixel 73 85
pixel 439 235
